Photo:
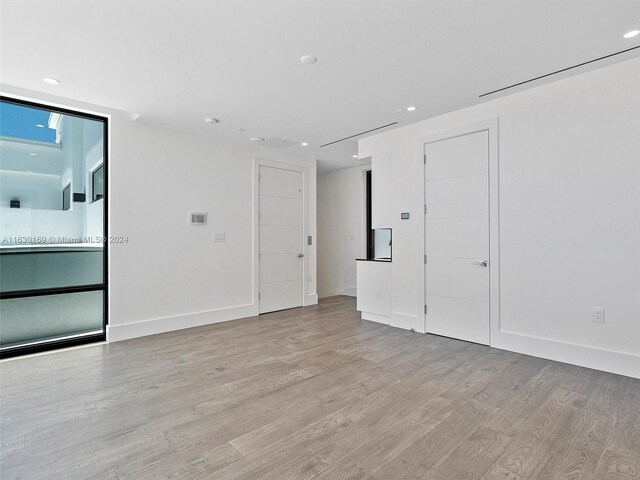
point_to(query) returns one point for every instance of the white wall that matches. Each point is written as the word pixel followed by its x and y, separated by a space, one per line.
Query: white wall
pixel 569 156
pixel 93 142
pixel 49 225
pixel 33 190
pixel 341 229
pixel 170 274
pixel 170 268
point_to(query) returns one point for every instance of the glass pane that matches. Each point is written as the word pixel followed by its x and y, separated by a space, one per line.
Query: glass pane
pixel 382 243
pixel 52 267
pixel 46 165
pixel 49 317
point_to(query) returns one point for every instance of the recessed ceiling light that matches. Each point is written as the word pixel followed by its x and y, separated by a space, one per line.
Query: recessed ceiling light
pixel 39 125
pixel 632 33
pixel 256 139
pixel 304 144
pixel 354 156
pixel 51 81
pixel 308 59
pixel 33 154
pixel 411 109
pixel 211 120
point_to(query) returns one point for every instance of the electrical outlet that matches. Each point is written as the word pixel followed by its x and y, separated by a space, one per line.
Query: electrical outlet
pixel 597 314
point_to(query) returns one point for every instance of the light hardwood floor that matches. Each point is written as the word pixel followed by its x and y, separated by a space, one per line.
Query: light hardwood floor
pixel 312 393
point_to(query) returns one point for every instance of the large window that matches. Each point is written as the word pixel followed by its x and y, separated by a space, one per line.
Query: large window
pixel 53 275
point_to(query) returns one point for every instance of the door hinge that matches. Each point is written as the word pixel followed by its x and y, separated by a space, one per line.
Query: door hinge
pixel 425 158
pixel 425 259
pixel 258 295
pixel 425 309
pixel 425 208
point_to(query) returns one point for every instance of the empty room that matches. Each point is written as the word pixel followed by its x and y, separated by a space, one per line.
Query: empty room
pixel 320 239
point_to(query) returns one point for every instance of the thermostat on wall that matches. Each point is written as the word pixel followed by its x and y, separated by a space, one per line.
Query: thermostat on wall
pixel 404 216
pixel 198 218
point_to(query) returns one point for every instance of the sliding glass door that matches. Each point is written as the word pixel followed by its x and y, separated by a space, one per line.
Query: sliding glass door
pixel 53 227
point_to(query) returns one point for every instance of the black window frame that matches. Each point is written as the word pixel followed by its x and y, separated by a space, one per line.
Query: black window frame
pixel 54 344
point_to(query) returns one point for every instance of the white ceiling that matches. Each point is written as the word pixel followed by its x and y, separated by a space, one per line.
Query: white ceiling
pixel 176 62
pixel 15 155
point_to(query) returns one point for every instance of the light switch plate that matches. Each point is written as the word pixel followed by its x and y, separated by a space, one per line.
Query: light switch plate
pixel 219 237
pixel 597 314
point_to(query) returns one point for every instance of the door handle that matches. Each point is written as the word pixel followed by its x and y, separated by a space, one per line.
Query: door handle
pixel 483 263
pixel 300 255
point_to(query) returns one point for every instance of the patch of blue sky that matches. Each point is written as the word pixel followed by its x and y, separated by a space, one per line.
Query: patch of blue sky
pixel 21 121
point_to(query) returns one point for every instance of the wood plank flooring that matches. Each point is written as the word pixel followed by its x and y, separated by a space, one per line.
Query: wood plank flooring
pixel 312 393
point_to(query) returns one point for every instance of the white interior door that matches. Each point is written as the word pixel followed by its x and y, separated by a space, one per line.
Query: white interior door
pixel 280 221
pixel 457 237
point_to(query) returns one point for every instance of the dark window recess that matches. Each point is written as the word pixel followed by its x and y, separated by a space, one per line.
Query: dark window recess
pixel 66 197
pixel 97 184
pixel 378 240
pixel 370 232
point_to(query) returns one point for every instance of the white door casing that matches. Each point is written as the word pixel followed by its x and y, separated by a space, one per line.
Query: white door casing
pixel 280 238
pixel 461 293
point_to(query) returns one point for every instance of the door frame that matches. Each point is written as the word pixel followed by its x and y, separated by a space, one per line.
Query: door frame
pixel 491 126
pixel 257 163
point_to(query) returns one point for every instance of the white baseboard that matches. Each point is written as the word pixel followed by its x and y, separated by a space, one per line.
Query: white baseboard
pixel 598 359
pixel 143 328
pixel 375 317
pixel 350 292
pixel 312 299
